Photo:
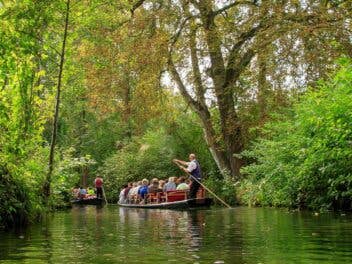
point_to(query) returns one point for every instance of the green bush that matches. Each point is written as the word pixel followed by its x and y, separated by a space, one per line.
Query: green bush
pixel 146 157
pixel 14 201
pixel 305 157
pixel 67 175
pixel 21 181
pixel 151 155
pixel 224 187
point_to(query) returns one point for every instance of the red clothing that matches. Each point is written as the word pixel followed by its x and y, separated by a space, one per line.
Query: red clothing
pixel 98 182
pixel 127 190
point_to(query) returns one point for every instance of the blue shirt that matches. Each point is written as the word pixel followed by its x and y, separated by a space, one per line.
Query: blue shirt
pixel 143 191
pixel 170 186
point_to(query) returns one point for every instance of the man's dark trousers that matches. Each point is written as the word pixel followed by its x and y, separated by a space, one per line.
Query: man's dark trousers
pixel 194 189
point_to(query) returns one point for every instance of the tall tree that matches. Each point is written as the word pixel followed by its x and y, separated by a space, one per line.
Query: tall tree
pixel 214 47
pixel 47 183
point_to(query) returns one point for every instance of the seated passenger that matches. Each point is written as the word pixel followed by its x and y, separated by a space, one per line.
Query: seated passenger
pixel 139 185
pixel 143 190
pixel 82 193
pixel 75 192
pixel 161 185
pixel 182 185
pixel 170 185
pixel 154 186
pixel 127 190
pixel 122 198
pixel 133 192
pixel 90 193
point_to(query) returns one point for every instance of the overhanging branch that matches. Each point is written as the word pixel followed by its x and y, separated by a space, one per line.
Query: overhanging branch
pixel 236 3
pixel 136 5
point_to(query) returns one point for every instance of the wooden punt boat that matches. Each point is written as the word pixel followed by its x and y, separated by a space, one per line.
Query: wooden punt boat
pixel 184 204
pixel 91 201
pixel 170 200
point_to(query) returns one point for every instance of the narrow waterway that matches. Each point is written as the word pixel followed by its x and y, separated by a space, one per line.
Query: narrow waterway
pixel 240 235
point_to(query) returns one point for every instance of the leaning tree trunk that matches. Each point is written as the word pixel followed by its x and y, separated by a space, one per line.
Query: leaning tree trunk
pixel 224 78
pixel 47 182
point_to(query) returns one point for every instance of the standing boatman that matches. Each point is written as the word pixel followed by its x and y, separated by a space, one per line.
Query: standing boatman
pixel 98 182
pixel 192 167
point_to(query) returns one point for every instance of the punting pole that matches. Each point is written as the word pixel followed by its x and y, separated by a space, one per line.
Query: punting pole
pixel 205 187
pixel 106 201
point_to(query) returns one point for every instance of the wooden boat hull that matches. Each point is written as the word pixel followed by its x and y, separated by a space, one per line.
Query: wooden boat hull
pixel 184 204
pixel 95 201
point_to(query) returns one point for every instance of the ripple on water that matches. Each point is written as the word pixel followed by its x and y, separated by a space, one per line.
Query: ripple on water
pixel 241 235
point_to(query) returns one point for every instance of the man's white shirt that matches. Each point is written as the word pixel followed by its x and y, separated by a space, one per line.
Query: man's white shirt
pixel 191 166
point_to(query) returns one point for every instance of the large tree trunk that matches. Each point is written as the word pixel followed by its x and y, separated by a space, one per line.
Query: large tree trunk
pixel 214 148
pixel 205 117
pixel 219 155
pixel 223 86
pixel 224 79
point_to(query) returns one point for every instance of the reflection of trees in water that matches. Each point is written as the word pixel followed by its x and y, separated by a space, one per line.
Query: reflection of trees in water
pixel 29 244
pixel 47 239
pixel 87 229
pixel 184 235
pixel 166 227
pixel 223 236
pixel 196 226
pixel 242 235
pixel 79 226
pixel 99 232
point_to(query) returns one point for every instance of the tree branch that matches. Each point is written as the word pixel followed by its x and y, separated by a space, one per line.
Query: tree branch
pixel 233 70
pixel 180 84
pixel 246 36
pixel 195 68
pixel 136 5
pixel 197 77
pixel 40 40
pixel 175 37
pixel 219 11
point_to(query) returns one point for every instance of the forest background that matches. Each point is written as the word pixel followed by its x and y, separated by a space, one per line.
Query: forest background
pixel 261 91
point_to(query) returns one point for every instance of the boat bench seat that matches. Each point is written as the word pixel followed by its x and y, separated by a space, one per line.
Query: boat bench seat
pixel 153 197
pixel 178 195
pixel 201 193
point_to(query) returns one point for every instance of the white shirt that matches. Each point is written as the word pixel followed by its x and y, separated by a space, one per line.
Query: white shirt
pixel 122 196
pixel 191 166
pixel 133 191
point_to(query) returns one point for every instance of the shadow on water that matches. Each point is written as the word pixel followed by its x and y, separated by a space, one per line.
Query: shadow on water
pixel 90 234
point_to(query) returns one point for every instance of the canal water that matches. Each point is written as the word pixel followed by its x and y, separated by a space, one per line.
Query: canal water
pixel 240 235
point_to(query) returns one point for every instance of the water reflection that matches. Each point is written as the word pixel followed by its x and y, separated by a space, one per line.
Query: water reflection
pixel 130 235
pixel 196 224
pixel 173 227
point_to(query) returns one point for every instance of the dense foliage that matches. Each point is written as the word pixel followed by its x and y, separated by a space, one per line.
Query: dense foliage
pixel 23 112
pixel 304 159
pixel 150 156
pixel 143 82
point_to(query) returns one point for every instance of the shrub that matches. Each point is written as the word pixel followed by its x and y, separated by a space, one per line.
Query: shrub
pixel 304 159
